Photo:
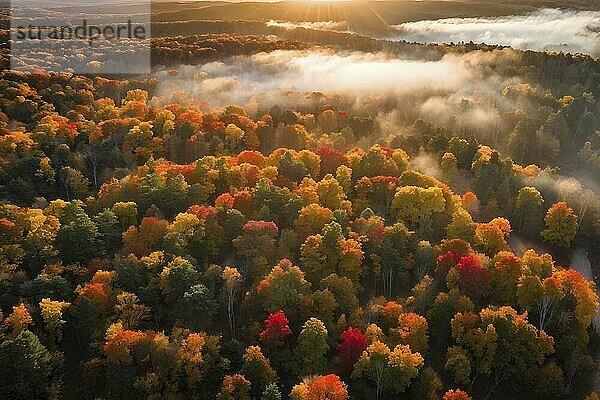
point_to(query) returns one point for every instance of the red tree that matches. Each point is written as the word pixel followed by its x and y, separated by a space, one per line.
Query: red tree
pixel 260 228
pixel 241 201
pixel 330 159
pixel 456 395
pixel 276 329
pixel 354 342
pixel 202 212
pixel 474 277
pixel 225 201
pixel 447 261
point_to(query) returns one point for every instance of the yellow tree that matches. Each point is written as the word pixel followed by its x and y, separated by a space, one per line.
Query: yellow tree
pixel 312 219
pixel 233 137
pixel 413 331
pixel 416 206
pixel 390 371
pixel 331 193
pixel 561 225
pixel 449 166
pixel 504 277
pixel 491 237
pixel 527 204
pixel 461 226
pixel 52 313
pixel 235 387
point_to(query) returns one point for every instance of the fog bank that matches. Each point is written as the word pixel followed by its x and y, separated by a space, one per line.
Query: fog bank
pixel 546 29
pixel 237 79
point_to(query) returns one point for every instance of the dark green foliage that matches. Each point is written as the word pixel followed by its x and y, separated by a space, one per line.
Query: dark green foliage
pixel 24 368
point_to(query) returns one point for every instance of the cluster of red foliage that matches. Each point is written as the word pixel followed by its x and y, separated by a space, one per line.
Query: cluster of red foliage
pixel 474 276
pixel 330 159
pixel 276 329
pixel 447 261
pixel 354 342
pixel 456 395
pixel 225 201
pixel 260 228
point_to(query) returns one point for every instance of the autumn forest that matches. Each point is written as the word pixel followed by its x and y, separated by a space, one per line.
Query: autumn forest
pixel 304 211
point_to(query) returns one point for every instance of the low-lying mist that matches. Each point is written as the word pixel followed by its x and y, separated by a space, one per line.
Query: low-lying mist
pixel 546 29
pixel 543 30
pixel 393 89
